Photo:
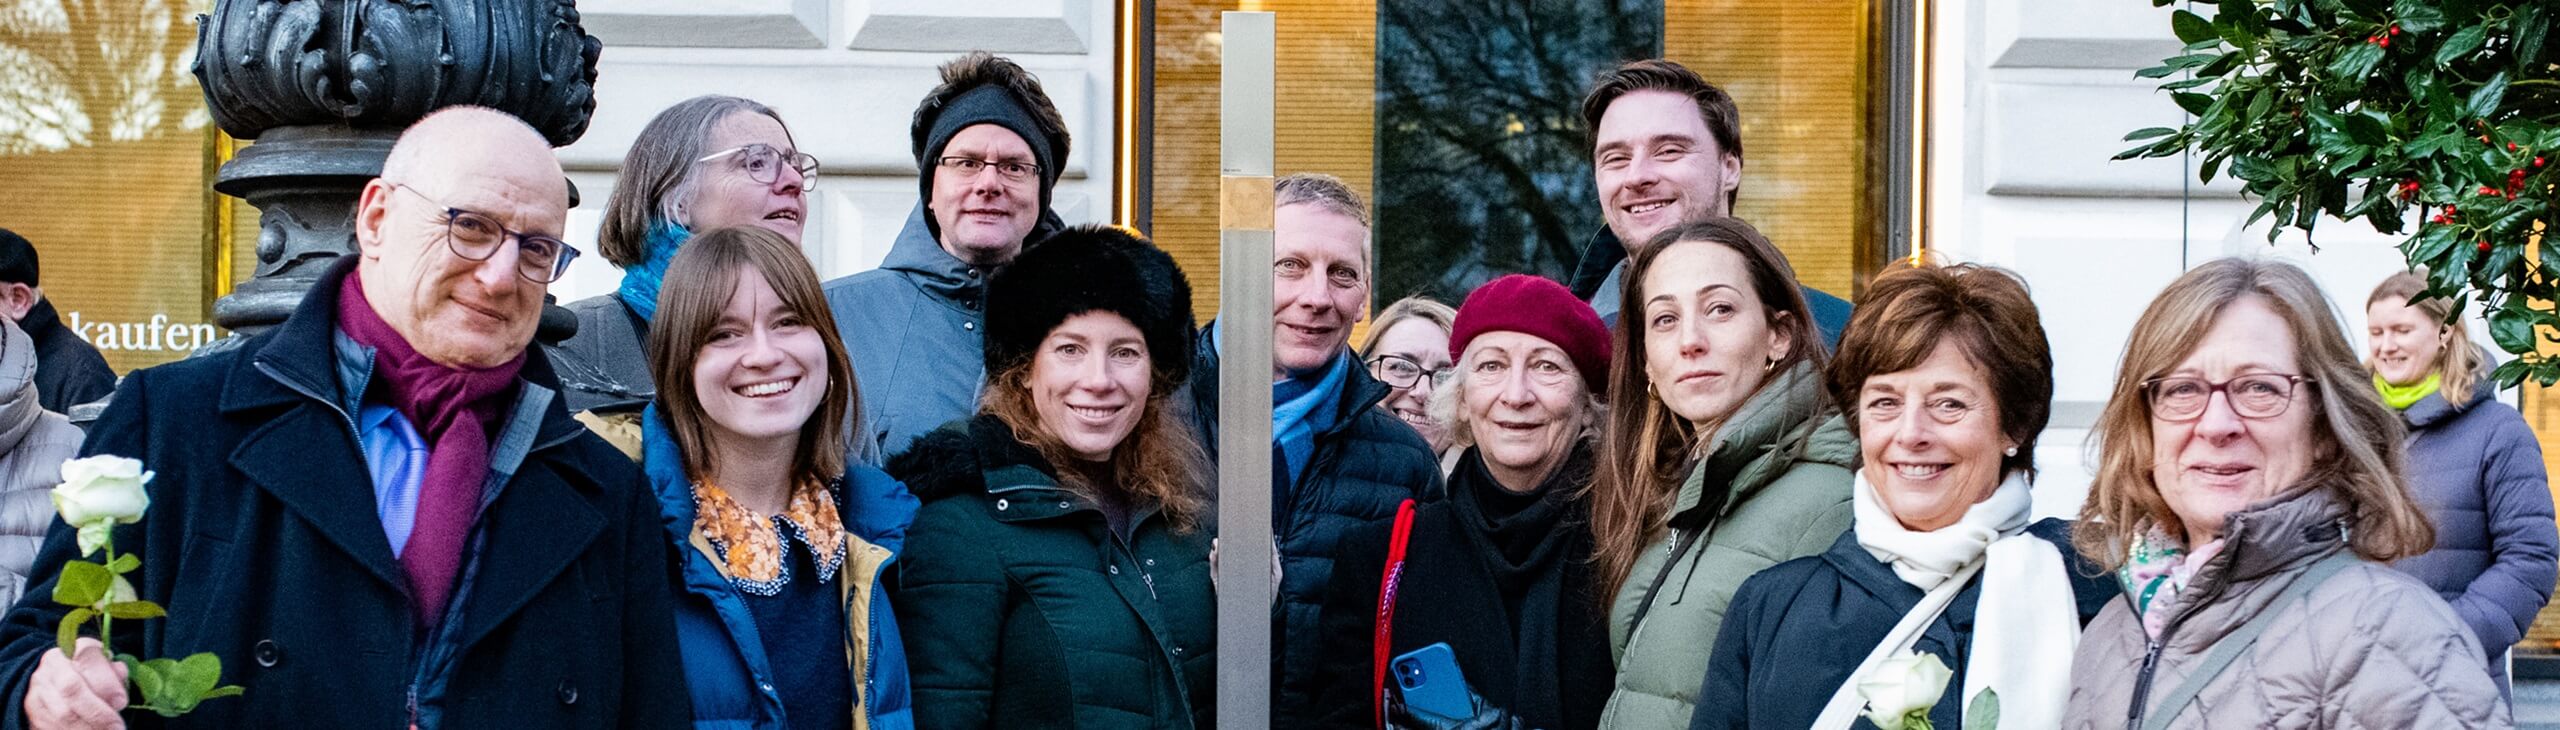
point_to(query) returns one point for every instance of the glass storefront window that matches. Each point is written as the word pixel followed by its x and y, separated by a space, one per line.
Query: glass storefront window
pixel 1461 123
pixel 106 159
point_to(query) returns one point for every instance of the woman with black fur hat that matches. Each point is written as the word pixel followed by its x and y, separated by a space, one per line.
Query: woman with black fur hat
pixel 1058 575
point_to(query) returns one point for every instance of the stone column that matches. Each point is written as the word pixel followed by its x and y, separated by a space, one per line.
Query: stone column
pixel 324 86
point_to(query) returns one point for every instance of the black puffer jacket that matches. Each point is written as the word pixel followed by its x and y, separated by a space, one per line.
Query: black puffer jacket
pixel 1364 465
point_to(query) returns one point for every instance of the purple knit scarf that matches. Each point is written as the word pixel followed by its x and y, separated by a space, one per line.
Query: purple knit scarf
pixel 453 410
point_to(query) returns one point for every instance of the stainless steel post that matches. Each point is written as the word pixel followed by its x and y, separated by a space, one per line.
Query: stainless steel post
pixel 1244 382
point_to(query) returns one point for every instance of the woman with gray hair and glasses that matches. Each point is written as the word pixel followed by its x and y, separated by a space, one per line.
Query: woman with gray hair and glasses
pixel 708 162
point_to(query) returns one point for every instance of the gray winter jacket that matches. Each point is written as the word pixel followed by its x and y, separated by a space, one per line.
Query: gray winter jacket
pixel 605 367
pixel 33 444
pixel 2478 472
pixel 916 332
pixel 2368 648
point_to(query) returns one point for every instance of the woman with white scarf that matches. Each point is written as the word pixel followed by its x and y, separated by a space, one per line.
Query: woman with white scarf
pixel 1947 377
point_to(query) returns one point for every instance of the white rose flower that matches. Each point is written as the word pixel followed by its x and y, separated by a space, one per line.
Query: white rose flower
pixel 99 492
pixel 1902 684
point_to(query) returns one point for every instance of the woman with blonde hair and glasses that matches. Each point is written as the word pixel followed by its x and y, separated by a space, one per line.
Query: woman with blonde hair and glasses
pixel 1407 348
pixel 2248 497
pixel 2473 465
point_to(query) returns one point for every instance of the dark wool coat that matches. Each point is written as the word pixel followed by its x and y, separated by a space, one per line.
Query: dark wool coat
pixel 1448 593
pixel 1021 609
pixel 263 543
pixel 69 371
pixel 1364 465
pixel 2478 473
pixel 1797 630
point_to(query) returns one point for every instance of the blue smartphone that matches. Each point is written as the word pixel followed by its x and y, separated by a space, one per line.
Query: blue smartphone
pixel 1431 683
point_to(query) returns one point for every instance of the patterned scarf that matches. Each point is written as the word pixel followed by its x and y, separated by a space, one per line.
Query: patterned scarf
pixel 2155 569
pixel 751 546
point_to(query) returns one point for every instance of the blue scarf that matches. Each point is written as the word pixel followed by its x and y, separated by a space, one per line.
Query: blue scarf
pixel 640 282
pixel 1301 406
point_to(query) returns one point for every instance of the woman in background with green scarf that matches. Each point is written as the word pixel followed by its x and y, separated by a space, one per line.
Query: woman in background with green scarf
pixel 2474 467
pixel 708 162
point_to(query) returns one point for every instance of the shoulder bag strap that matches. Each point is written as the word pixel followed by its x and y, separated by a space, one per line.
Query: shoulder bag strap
pixel 1381 647
pixel 2237 642
pixel 1842 710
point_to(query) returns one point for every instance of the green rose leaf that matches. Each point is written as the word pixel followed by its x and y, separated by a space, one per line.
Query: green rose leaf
pixel 83 583
pixel 125 563
pixel 67 635
pixel 176 686
pixel 1984 712
pixel 136 610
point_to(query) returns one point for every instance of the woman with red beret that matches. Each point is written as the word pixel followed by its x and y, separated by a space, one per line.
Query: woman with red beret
pixel 1501 569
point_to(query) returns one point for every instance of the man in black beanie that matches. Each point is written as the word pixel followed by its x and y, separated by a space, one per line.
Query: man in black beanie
pixel 69 371
pixel 988 146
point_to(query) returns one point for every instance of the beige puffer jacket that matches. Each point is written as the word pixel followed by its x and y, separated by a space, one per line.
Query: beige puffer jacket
pixel 33 444
pixel 2369 648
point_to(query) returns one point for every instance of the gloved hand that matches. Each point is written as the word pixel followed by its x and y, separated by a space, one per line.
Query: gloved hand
pixel 1486 717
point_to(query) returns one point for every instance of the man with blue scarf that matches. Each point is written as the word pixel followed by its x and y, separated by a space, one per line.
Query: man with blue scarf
pixel 1338 462
pixel 988 146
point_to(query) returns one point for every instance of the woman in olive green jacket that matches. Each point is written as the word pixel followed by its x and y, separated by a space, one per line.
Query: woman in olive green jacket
pixel 1721 459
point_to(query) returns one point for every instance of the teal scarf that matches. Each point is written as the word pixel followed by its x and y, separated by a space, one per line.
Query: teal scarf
pixel 640 282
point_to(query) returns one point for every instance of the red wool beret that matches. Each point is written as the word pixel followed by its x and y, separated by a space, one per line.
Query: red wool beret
pixel 1536 305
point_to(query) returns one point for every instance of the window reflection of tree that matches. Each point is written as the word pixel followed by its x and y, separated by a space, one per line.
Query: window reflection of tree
pixel 1483 165
pixel 75 73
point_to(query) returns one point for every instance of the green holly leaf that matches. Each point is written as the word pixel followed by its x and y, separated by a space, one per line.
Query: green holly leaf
pixel 2193 28
pixel 2512 326
pixel 83 583
pixel 2510 373
pixel 67 635
pixel 2356 63
pixel 2463 43
pixel 2484 100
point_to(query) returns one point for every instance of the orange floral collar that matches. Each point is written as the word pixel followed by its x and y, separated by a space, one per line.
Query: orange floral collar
pixel 752 546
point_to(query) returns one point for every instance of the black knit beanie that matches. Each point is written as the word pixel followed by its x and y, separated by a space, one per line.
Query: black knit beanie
pixel 1084 269
pixel 990 104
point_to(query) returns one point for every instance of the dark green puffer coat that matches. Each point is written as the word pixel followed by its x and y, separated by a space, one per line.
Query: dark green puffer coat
pixel 1022 609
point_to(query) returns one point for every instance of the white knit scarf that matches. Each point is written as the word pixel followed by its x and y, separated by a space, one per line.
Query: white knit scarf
pixel 2026 623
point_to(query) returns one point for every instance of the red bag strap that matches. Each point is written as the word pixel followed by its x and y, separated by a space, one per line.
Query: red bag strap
pixel 1387 609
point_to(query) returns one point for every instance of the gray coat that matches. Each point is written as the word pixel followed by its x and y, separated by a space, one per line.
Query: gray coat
pixel 605 367
pixel 2478 473
pixel 2368 648
pixel 916 333
pixel 33 444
